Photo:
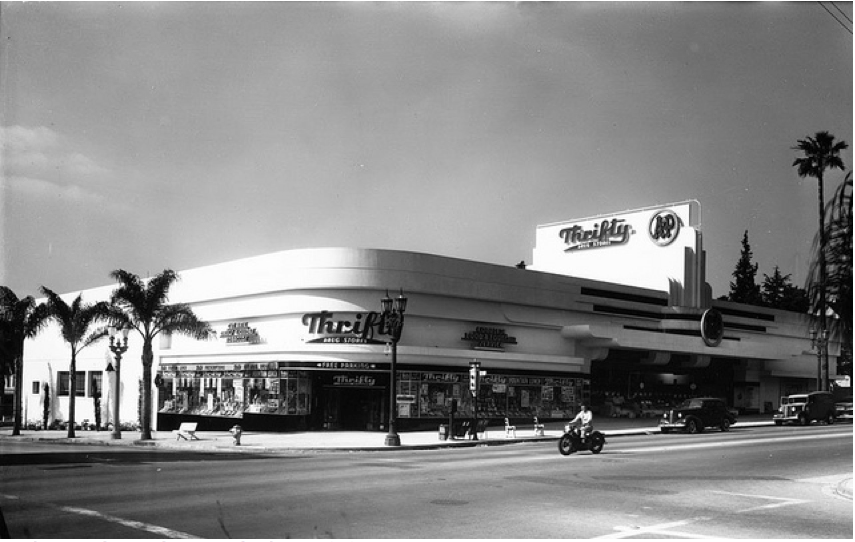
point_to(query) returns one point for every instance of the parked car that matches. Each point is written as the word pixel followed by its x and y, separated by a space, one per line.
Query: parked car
pixel 804 408
pixel 843 410
pixel 696 414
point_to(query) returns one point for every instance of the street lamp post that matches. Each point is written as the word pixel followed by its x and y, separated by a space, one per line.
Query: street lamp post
pixel 820 342
pixel 118 347
pixel 393 316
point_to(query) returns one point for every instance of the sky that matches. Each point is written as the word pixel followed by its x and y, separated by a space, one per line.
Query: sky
pixel 145 136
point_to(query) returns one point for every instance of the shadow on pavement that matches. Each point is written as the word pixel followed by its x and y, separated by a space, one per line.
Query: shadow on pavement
pixel 62 460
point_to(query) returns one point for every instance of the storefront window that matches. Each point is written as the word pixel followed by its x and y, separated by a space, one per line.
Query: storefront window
pixel 230 393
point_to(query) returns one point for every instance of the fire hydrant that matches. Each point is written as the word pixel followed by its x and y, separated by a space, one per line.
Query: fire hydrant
pixel 236 433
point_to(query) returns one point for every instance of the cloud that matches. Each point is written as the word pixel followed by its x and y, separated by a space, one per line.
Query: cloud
pixel 39 162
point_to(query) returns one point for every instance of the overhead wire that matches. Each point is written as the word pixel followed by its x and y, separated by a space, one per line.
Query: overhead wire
pixel 835 17
pixel 845 16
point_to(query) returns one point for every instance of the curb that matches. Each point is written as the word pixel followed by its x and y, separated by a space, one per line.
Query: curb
pixel 248 448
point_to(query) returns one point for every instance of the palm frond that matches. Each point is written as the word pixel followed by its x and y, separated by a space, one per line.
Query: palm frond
pixel 93 337
pixel 180 318
pixel 157 289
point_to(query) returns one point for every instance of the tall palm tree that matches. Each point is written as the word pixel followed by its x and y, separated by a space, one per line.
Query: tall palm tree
pixel 75 321
pixel 838 262
pixel 20 319
pixel 821 152
pixel 145 307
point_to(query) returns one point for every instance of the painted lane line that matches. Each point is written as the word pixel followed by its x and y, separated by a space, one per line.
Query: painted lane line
pixel 156 529
pixel 753 442
pixel 784 501
pixel 663 529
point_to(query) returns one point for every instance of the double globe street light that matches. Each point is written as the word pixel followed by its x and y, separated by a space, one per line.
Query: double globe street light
pixel 393 316
pixel 118 347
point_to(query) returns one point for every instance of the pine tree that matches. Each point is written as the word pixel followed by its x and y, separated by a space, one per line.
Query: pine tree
pixel 745 288
pixel 780 293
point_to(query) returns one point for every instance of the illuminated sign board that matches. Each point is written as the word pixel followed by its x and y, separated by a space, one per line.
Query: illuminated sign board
pixel 664 227
pixel 354 328
pixel 600 234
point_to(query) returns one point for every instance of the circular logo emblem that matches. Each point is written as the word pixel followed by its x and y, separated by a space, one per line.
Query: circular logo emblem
pixel 664 227
pixel 712 327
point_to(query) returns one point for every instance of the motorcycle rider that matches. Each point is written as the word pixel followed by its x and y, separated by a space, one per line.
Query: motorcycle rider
pixel 585 419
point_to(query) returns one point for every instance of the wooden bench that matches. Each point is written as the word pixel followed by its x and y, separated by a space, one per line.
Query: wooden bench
pixel 510 430
pixel 460 429
pixel 186 431
pixel 464 428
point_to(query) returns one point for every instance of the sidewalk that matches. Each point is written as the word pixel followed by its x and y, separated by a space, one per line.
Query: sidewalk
pixel 256 442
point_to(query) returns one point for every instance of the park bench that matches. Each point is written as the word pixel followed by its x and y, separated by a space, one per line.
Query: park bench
pixel 464 428
pixel 460 429
pixel 186 431
pixel 510 430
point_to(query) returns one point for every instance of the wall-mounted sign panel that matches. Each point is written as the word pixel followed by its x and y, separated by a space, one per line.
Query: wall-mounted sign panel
pixel 644 247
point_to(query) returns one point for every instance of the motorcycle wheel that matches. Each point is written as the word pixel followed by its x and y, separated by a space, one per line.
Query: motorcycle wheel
pixel 565 445
pixel 597 445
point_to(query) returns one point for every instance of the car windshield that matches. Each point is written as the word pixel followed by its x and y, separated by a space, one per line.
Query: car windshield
pixel 692 403
pixel 796 399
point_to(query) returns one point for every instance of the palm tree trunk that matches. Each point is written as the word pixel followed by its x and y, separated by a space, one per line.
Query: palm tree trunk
pixel 822 280
pixel 147 360
pixel 19 390
pixel 72 393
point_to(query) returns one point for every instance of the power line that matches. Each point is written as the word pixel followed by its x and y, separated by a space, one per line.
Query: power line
pixel 842 12
pixel 835 17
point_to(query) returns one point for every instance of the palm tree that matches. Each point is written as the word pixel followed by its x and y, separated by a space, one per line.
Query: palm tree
pixel 838 262
pixel 820 153
pixel 20 319
pixel 145 308
pixel 74 321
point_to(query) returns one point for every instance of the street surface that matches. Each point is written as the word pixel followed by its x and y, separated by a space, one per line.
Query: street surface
pixel 769 482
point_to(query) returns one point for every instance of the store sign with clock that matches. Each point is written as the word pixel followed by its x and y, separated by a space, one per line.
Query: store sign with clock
pixel 712 327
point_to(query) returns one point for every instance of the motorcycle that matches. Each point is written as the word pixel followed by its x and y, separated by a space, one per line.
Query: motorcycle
pixel 571 441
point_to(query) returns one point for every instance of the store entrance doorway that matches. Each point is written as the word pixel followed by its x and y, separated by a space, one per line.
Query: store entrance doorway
pixel 353 409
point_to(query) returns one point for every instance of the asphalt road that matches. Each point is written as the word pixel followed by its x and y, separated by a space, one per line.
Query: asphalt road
pixel 771 482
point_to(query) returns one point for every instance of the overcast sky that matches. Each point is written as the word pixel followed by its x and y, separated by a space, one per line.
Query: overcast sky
pixel 146 136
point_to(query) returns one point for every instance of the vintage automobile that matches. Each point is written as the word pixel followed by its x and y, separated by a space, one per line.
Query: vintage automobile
pixel 696 414
pixel 843 411
pixel 803 408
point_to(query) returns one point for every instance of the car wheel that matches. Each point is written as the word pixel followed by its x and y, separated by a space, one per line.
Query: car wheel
pixel 830 419
pixel 803 419
pixel 692 426
pixel 725 425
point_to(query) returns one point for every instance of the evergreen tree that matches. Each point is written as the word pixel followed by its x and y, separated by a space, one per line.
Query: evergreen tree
pixel 745 288
pixel 779 293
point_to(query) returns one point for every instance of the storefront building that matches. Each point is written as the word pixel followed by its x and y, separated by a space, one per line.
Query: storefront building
pixel 300 342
